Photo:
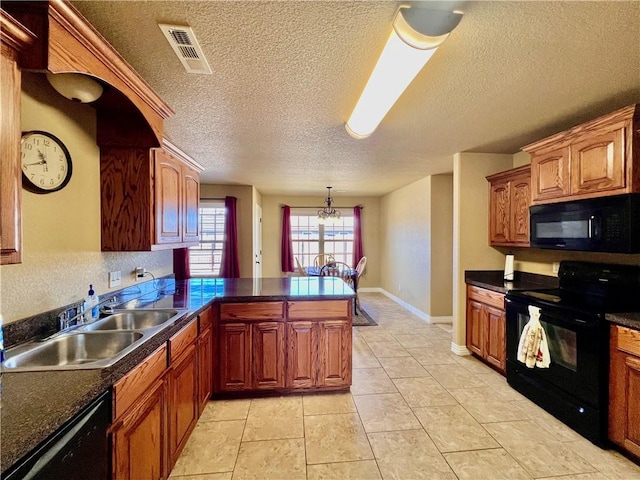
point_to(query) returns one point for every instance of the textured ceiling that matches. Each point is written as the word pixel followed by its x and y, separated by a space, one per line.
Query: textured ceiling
pixel 286 75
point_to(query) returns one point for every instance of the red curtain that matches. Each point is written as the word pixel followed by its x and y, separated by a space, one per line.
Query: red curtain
pixel 358 251
pixel 181 268
pixel 230 262
pixel 286 250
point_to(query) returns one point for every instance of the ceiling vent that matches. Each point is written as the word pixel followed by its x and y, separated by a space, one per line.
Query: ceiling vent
pixel 184 43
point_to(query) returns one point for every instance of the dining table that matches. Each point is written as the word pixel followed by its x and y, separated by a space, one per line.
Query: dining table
pixel 314 271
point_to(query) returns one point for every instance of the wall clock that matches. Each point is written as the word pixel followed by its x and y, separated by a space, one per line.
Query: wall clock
pixel 46 162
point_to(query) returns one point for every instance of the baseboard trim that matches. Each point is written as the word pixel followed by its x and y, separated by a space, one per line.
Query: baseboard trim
pixel 370 289
pixel 441 320
pixel 419 313
pixel 461 350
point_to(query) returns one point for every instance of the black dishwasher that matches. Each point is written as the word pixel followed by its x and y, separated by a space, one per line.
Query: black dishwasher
pixel 79 450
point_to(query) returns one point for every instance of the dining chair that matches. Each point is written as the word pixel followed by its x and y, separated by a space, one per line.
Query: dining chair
pixel 338 269
pixel 301 269
pixel 323 259
pixel 359 268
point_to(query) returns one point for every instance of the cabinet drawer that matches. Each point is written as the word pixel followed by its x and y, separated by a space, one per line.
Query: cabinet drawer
pixel 629 340
pixel 328 309
pixel 205 319
pixel 488 297
pixel 251 311
pixel 181 340
pixel 134 384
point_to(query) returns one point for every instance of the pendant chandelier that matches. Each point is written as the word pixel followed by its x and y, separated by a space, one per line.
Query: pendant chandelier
pixel 328 213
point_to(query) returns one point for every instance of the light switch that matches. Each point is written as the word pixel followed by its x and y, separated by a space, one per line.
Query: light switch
pixel 115 280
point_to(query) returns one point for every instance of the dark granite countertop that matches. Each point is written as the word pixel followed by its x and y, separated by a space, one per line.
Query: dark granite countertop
pixel 493 280
pixel 628 319
pixel 33 405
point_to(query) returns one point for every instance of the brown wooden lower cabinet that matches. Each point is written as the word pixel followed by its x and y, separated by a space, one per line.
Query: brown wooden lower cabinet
pixel 251 356
pixel 139 432
pixel 486 326
pixel 319 354
pixel 157 404
pixel 309 347
pixel 139 437
pixel 624 389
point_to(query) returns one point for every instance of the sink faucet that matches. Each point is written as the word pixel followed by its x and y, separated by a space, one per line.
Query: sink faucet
pixel 107 309
pixel 66 320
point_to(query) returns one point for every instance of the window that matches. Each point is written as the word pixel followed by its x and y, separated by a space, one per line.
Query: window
pixel 311 238
pixel 206 258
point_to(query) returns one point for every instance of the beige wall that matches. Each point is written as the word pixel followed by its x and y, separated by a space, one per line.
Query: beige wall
pixel 272 231
pixel 405 216
pixel 61 230
pixel 417 224
pixel 471 249
pixel 441 246
pixel 244 212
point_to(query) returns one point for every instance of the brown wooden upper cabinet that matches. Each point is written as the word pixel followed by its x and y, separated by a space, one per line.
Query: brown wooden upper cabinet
pixel 509 200
pixel 149 198
pixel 14 38
pixel 593 159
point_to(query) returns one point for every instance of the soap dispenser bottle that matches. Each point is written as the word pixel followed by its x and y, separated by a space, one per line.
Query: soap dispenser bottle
pixel 92 312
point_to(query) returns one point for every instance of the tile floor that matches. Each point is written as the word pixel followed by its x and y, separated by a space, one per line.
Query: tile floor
pixel 415 411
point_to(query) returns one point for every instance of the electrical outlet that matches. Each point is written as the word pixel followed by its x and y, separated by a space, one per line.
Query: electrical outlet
pixel 555 267
pixel 139 273
pixel 115 279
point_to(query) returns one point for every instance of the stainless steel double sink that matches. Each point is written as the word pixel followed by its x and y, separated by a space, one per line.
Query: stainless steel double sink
pixel 96 345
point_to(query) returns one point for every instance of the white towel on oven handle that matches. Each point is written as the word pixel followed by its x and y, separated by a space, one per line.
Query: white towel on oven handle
pixel 533 349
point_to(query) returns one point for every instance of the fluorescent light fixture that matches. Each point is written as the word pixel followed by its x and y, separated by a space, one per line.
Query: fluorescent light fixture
pixel 416 35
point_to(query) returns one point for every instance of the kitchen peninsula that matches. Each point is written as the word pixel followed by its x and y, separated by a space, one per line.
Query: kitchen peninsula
pixel 269 334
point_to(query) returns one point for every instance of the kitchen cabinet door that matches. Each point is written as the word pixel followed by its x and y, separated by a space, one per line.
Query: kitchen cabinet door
pixel 550 175
pixel 191 203
pixel 499 213
pixel 302 357
pixel 495 332
pixel 205 368
pixel 267 354
pixel 520 200
pixel 185 401
pixel 475 327
pixel 168 194
pixel 598 162
pixel 139 438
pixel 235 357
pixel 335 353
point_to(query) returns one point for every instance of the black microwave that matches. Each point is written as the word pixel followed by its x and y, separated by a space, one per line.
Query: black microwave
pixel 603 224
